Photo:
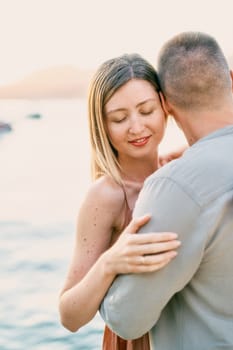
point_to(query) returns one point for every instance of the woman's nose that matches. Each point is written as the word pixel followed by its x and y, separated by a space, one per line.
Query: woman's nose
pixel 136 125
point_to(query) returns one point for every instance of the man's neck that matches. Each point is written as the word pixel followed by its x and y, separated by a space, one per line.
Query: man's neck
pixel 198 125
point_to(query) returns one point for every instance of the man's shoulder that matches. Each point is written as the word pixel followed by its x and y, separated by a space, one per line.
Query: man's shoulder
pixel 205 171
pixel 176 170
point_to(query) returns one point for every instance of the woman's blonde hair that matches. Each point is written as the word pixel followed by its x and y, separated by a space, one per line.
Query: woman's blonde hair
pixel 110 76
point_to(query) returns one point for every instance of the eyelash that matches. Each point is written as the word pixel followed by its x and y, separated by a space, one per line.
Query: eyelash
pixel 119 121
pixel 147 112
pixel 142 113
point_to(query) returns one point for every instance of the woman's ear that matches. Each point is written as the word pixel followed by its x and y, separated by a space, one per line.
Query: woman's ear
pixel 164 104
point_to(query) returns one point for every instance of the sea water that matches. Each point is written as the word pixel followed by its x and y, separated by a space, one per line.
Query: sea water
pixel 45 172
pixel 44 175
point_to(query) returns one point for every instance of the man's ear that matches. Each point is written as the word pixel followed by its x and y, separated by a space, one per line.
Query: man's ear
pixel 231 73
pixel 165 104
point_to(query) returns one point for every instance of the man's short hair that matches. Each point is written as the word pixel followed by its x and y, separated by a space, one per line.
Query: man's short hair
pixel 193 71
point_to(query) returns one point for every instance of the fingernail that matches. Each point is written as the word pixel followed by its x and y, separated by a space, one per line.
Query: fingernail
pixel 173 234
pixel 173 254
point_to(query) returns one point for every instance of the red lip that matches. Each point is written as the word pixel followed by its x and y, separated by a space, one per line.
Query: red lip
pixel 142 141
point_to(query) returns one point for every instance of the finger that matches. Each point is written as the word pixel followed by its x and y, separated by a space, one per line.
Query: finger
pixel 158 258
pixel 146 238
pixel 154 259
pixel 159 264
pixel 154 248
pixel 165 159
pixel 152 268
pixel 136 223
pixel 162 162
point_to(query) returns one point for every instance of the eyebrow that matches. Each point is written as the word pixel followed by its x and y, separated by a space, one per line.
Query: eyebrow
pixel 123 109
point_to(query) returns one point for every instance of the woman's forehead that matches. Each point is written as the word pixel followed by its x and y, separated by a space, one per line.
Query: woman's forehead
pixel 135 91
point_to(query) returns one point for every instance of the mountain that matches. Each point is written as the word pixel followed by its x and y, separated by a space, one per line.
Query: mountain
pixel 54 82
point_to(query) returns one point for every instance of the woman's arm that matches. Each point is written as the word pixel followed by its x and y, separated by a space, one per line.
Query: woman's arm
pixel 94 266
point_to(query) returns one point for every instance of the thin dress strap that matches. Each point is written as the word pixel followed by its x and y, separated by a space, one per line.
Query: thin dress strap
pixel 128 210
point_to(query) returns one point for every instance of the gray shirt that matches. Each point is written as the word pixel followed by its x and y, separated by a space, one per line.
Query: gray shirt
pixel 188 305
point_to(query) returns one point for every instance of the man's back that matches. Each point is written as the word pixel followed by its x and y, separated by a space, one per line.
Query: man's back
pixel 189 304
pixel 201 315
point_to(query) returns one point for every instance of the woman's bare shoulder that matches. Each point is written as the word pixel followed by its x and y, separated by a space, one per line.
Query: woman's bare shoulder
pixel 106 193
pixel 106 189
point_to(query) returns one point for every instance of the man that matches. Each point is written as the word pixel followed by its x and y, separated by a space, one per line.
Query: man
pixel 187 305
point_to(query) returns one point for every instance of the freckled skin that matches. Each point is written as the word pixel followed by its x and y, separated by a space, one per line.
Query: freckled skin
pixel 102 215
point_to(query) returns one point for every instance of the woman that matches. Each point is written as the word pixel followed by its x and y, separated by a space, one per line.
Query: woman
pixel 127 124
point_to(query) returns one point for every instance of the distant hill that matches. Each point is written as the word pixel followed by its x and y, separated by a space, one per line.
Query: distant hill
pixel 54 82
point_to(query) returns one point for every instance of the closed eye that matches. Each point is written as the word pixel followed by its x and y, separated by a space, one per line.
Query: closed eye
pixel 119 120
pixel 147 112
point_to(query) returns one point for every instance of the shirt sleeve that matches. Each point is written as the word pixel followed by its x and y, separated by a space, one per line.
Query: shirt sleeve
pixel 134 302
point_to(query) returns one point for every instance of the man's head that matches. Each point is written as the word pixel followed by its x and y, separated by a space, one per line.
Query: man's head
pixel 193 72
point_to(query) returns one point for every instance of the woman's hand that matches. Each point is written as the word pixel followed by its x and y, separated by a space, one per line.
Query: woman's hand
pixel 147 252
pixel 166 158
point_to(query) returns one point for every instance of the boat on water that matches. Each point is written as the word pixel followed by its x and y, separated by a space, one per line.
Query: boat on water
pixel 35 116
pixel 5 127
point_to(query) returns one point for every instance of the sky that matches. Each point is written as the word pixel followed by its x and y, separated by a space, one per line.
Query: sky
pixel 37 34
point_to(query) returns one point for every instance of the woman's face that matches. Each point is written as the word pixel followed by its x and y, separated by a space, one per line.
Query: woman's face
pixel 135 120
